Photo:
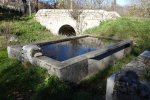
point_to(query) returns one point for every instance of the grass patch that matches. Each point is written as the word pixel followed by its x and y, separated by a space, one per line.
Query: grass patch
pixel 3 42
pixel 16 81
pixel 26 29
pixel 137 30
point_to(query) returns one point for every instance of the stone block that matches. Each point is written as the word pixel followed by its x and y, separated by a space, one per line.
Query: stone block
pixel 127 84
pixel 110 87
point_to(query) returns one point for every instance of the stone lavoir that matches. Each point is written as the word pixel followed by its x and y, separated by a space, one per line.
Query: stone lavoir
pixel 73 58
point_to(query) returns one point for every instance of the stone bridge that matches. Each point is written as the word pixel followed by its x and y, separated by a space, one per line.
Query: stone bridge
pixel 61 21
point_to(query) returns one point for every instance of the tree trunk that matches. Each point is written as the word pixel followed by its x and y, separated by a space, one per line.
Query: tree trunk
pixel 25 6
pixel 114 5
pixel 37 5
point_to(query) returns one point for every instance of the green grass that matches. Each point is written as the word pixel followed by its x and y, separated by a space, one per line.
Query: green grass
pixel 3 42
pixel 137 30
pixel 33 82
pixel 27 30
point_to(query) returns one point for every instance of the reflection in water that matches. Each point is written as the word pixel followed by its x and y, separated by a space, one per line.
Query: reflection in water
pixel 65 50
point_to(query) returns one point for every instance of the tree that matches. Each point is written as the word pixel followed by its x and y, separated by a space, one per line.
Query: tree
pixel 145 7
pixel 37 5
pixel 76 14
pixel 99 2
pixel 114 5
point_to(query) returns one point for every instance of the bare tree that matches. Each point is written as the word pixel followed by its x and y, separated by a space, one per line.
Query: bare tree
pixel 99 2
pixel 76 10
pixel 37 5
pixel 145 7
pixel 114 5
pixel 77 14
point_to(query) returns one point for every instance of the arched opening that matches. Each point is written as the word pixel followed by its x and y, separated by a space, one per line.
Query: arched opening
pixel 67 30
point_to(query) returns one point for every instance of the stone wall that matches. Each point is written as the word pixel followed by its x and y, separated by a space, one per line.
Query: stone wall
pixel 53 19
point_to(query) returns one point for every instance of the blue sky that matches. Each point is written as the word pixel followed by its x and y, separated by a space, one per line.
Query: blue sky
pixel 127 2
pixel 123 2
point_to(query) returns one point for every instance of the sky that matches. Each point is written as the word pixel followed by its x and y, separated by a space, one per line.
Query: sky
pixel 126 2
pixel 123 2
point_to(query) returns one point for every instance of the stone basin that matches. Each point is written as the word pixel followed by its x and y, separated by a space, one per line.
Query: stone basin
pixel 73 58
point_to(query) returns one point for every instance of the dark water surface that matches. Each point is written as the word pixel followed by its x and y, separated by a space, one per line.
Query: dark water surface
pixel 65 50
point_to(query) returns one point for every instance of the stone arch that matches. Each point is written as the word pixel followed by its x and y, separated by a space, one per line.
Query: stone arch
pixel 67 30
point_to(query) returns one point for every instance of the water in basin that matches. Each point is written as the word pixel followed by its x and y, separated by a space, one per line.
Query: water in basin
pixel 65 50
